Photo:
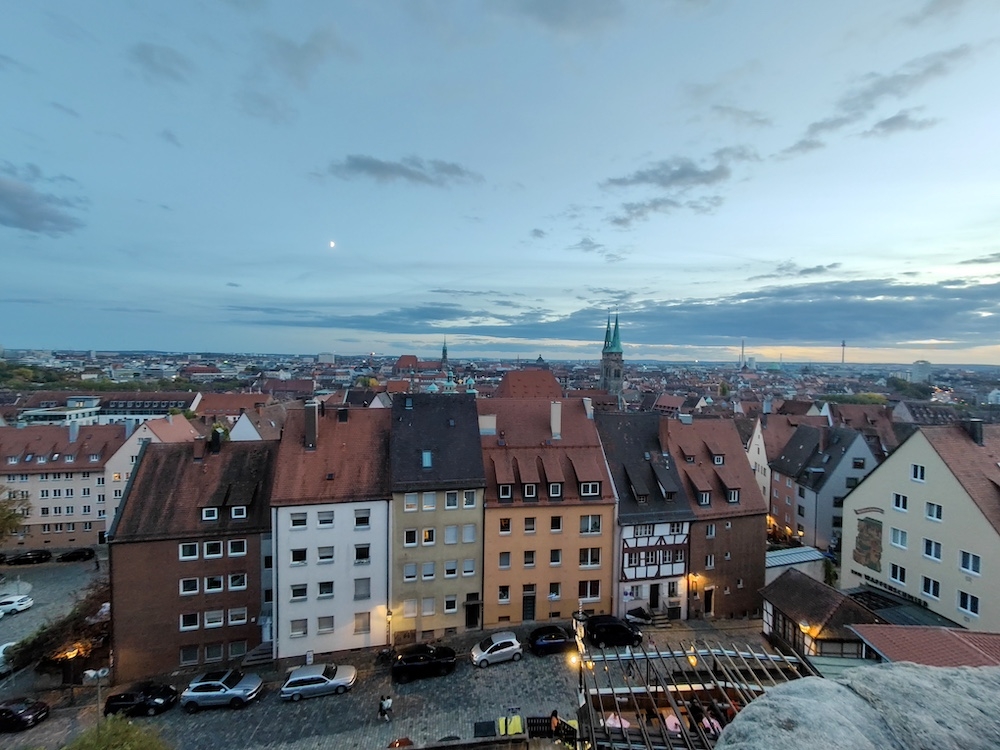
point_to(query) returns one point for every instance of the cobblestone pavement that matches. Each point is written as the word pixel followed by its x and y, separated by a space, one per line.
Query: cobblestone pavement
pixel 424 710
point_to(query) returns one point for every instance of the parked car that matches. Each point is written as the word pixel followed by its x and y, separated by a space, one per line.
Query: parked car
pixel 551 639
pixel 495 648
pixel 422 660
pixel 318 679
pixel 6 662
pixel 607 630
pixel 224 687
pixel 15 603
pixel 21 713
pixel 30 557
pixel 144 699
pixel 75 555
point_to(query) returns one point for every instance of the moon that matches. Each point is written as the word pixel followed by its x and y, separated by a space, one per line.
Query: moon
pixel 332 244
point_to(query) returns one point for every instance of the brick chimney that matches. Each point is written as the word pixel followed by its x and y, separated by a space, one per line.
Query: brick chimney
pixel 664 435
pixel 555 419
pixel 312 424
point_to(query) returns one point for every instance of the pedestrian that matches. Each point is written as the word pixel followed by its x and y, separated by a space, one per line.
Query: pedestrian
pixel 97 563
pixel 381 706
pixel 554 722
pixel 387 707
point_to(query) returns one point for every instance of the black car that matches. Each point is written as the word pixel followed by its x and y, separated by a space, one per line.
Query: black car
pixel 607 630
pixel 144 699
pixel 21 713
pixel 30 557
pixel 550 639
pixel 76 555
pixel 422 660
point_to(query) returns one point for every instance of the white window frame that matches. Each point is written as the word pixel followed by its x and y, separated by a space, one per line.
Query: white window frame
pixel 555 489
pixel 933 512
pixel 969 562
pixel 233 547
pixel 530 491
pixel 900 502
pixel 590 489
pixel 968 603
pixel 506 491
pixel 180 551
pixel 918 472
pixel 898 537
pixel 930 587
pixel 469 499
pixel 192 592
pixel 211 555
pixel 931 547
pixel 180 621
pixel 897 573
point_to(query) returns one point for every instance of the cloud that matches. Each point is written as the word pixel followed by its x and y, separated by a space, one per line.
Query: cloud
pixel 671 174
pixel 160 64
pixel 803 146
pixel 639 210
pixel 233 284
pixel 587 245
pixel 412 169
pixel 299 62
pixel 570 16
pixel 538 234
pixel 898 123
pixel 23 207
pixel 790 269
pixel 9 63
pixel 274 109
pixel 64 109
pixel 749 117
pixel 169 137
pixel 991 258
pixel 934 9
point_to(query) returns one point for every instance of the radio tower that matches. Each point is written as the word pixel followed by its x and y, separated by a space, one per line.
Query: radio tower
pixel 843 349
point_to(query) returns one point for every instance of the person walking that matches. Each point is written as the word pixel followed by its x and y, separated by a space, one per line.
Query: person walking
pixel 97 563
pixel 381 707
pixel 386 707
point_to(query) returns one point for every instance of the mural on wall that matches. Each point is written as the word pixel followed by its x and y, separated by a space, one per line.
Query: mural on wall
pixel 868 544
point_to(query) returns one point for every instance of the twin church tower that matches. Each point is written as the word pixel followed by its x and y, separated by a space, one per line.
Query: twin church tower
pixel 612 361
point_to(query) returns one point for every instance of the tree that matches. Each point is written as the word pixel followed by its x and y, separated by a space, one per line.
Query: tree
pixel 13 508
pixel 118 733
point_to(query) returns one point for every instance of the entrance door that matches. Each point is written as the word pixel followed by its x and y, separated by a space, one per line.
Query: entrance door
pixel 472 610
pixel 709 602
pixel 528 602
pixel 654 597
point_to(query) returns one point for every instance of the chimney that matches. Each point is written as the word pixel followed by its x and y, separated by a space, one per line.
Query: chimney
pixel 74 431
pixel 588 406
pixel 975 429
pixel 170 418
pixel 312 424
pixel 822 439
pixel 199 449
pixel 555 419
pixel 216 441
pixel 664 435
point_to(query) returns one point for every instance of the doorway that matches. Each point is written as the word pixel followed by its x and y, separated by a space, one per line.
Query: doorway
pixel 528 603
pixel 654 597
pixel 709 601
pixel 472 604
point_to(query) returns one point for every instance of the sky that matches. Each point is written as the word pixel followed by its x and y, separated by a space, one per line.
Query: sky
pixel 352 177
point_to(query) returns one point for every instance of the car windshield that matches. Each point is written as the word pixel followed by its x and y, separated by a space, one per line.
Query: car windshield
pixel 486 643
pixel 330 672
pixel 233 679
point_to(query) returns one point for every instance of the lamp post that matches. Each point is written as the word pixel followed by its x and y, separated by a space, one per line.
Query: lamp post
pixel 97 675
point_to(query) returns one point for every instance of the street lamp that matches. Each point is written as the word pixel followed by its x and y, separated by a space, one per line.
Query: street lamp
pixel 96 675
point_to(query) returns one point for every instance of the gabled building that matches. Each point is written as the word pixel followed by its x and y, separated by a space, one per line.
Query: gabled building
pixel 330 530
pixel 815 471
pixel 549 511
pixel 923 524
pixel 436 517
pixel 226 408
pixel 260 424
pixel 188 552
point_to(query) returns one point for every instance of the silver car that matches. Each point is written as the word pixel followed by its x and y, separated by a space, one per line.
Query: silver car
pixel 225 687
pixel 318 679
pixel 502 646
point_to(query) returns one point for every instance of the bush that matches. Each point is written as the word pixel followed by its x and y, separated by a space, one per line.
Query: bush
pixel 118 733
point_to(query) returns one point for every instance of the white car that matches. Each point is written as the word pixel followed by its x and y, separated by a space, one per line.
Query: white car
pixel 5 664
pixel 502 646
pixel 11 604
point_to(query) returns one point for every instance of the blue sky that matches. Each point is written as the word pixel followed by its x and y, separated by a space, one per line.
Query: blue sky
pixel 172 176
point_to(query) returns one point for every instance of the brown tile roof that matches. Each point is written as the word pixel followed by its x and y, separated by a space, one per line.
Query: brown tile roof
pixel 269 421
pixel 828 612
pixel 52 443
pixel 932 646
pixel 350 462
pixel 170 486
pixel 777 430
pixel 976 467
pixel 528 384
pixel 231 404
pixel 173 429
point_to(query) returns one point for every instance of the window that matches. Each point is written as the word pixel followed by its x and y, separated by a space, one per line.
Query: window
pixel 503 594
pixel 802 510
pixel 858 463
pixel 237 649
pixel 555 557
pixel 324 555
pixel 299 592
pixel 468 567
pixel 451 534
pixel 189 655
pixel 410 608
pixel 298 628
pixel 555 489
pixel 237 616
pixel 851 482
pixel 362 554
pixel 426 459
pixel 917 472
pixel 324 519
pixel 237 547
pixel 362 588
pixel 362 622
pixel 930 587
pixel 410 538
pixel 325 589
pixel 898 538
pixel 642 530
pixel 212 549
pixel 238 512
pixel 718 460
pixel 410 572
pixel 450 604
pixel 969 563
pixel 590 524
pixel 410 502
pixel 427 571
pixel 704 498
pixel 362 519
pixel 451 500
pixel 427 606
pixel 99 481
pixel 213 584
pixel 555 591
pixel 590 489
pixel 101 513
pixel 430 500
pixel 298 557
pixel 324 624
pixel 504 561
pixel 555 524
pixel 188 586
pixel 933 512
pixel 468 533
pixel 590 590
pixel 733 496
pixel 710 531
pixel 897 573
pixel 429 537
pixel 530 491
pixel 297 520
pixel 469 499
pixel 237 581
pixel 529 558
pixel 932 549
pixel 900 502
pixel 189 621
pixel 450 568
pixel 968 603
pixel 709 562
pixel 504 525
pixel 590 557
pixel 506 491
pixel 632 559
pixel 209 514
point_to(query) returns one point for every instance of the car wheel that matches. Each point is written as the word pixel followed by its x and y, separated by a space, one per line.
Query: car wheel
pixel 236 703
pixel 150 711
pixel 296 697
pixel 341 689
pixel 483 664
pixel 516 657
pixel 191 707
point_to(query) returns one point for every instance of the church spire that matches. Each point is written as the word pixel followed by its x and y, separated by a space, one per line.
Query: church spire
pixel 444 354
pixel 607 335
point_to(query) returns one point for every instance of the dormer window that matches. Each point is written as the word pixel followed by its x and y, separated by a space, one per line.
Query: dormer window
pixel 41 459
pixel 11 459
pixel 704 498
pixel 426 459
pixel 94 458
pixel 689 459
pixel 733 496
pixel 555 489
pixel 719 459
pixel 530 491
pixel 209 514
pixel 238 511
pixel 506 492
pixel 69 458
pixel 590 489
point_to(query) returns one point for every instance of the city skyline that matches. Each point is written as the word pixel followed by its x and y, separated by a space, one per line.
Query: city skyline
pixel 230 177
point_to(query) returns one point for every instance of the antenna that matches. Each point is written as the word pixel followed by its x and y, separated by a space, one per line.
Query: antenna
pixel 843 350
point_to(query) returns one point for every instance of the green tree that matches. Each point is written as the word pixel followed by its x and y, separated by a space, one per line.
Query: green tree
pixel 118 733
pixel 13 508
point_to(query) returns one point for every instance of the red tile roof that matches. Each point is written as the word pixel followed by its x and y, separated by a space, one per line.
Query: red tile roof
pixel 976 467
pixel 932 646
pixel 52 443
pixel 231 404
pixel 528 384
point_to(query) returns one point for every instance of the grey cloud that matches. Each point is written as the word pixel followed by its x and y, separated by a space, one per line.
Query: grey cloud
pixel 639 210
pixel 991 258
pixel 9 63
pixel 677 173
pixel 791 269
pixel 233 284
pixel 933 9
pixel 265 107
pixel 23 207
pixel 159 63
pixel 566 15
pixel 899 123
pixel 538 234
pixel 803 146
pixel 740 116
pixel 587 245
pixel 64 109
pixel 170 137
pixel 411 169
pixel 299 61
